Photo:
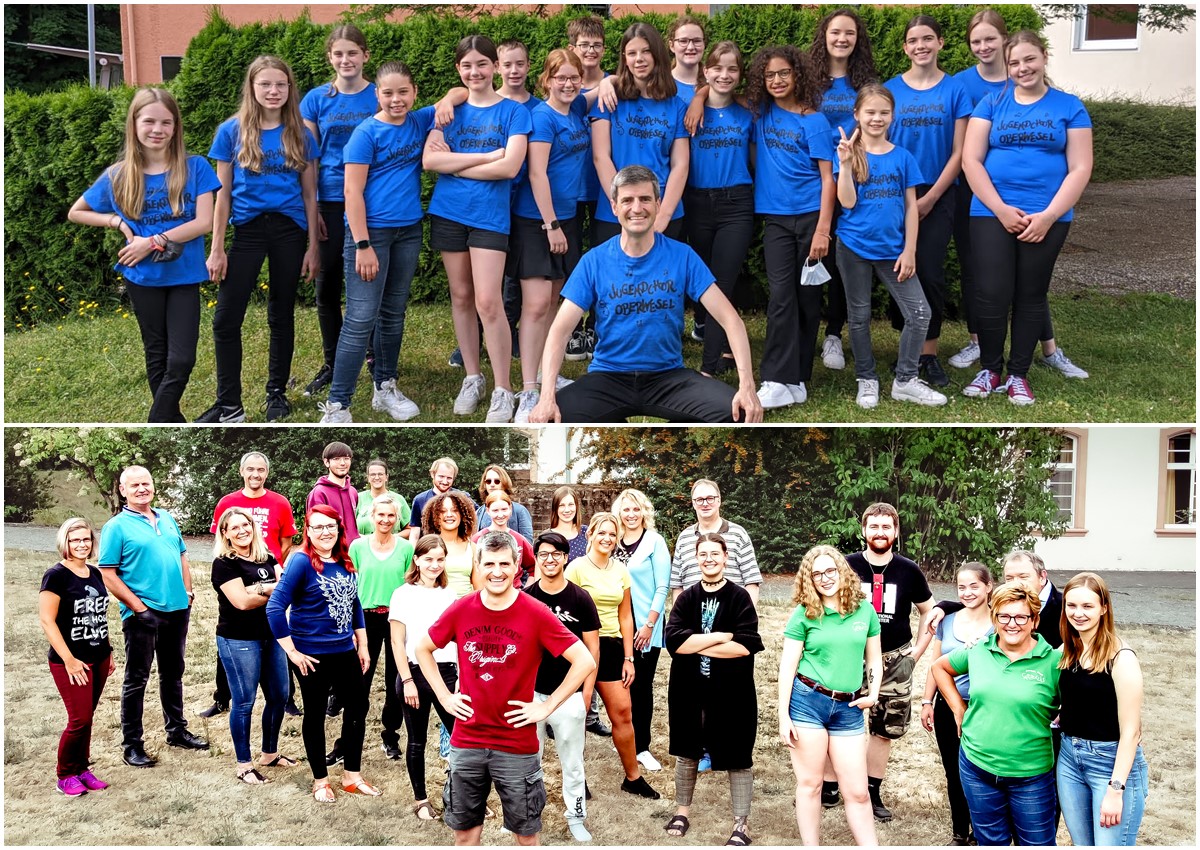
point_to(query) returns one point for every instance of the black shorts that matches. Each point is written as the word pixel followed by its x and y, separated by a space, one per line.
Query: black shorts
pixel 612 659
pixel 447 235
pixel 530 256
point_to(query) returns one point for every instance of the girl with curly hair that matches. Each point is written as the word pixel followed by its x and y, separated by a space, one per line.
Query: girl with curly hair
pixel 833 629
pixel 452 517
pixel 794 193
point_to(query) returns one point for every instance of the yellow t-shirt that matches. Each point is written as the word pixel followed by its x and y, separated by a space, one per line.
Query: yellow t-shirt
pixel 458 571
pixel 607 588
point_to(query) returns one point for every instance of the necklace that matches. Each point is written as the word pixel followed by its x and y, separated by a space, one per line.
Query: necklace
pixel 712 585
pixel 593 563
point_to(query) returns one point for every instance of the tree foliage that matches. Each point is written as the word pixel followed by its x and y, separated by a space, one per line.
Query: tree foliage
pixel 60 25
pixel 1173 17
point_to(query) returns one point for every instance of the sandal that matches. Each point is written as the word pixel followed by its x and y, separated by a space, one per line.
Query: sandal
pixel 280 760
pixel 252 777
pixel 361 787
pixel 739 838
pixel 680 824
pixel 424 811
pixel 323 792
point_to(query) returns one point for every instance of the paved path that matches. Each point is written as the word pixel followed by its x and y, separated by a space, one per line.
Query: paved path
pixel 1145 598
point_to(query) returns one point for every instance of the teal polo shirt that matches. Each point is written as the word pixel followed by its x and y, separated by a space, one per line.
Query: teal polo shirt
pixel 1006 730
pixel 835 645
pixel 146 558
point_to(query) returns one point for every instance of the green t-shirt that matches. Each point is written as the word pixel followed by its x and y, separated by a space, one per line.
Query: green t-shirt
pixel 378 577
pixel 835 645
pixel 606 587
pixel 1006 730
pixel 362 515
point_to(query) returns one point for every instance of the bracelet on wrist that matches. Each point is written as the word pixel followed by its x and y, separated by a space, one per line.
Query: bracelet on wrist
pixel 926 702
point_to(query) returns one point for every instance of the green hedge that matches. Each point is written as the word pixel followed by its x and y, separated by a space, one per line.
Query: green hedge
pixel 56 144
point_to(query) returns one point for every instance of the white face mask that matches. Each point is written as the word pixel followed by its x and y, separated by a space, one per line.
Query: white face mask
pixel 814 273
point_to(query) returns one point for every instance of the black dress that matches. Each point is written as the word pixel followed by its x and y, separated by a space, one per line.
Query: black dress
pixel 712 702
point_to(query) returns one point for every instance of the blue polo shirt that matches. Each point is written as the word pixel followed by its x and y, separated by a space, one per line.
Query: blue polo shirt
pixel 147 559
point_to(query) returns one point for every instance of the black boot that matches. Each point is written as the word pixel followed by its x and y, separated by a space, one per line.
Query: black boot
pixel 881 811
pixel 830 796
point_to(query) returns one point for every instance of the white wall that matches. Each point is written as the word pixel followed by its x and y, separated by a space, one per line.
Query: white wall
pixel 1121 510
pixel 1161 68
pixel 553 456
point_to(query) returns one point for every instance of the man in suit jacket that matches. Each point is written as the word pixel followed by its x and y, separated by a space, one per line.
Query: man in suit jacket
pixel 1026 566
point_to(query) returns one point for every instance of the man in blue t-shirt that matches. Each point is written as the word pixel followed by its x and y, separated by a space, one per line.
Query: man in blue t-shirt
pixel 145 566
pixel 636 284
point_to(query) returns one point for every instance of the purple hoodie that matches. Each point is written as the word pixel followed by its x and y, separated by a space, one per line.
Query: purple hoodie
pixel 344 500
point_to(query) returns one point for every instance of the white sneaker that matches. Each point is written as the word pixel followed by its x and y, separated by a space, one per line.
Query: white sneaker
pixel 799 393
pixel 772 394
pixel 332 413
pixel 831 353
pixel 1059 360
pixel 473 388
pixel 648 761
pixel 918 391
pixel 501 408
pixel 578 831
pixel 394 403
pixel 559 382
pixel 868 393
pixel 967 357
pixel 527 400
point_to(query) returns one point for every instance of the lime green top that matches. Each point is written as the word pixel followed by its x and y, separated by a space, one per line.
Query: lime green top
pixel 378 577
pixel 362 513
pixel 1006 730
pixel 834 645
pixel 607 588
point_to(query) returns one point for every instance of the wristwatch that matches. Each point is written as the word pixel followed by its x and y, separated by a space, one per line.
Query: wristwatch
pixel 926 702
pixel 1115 785
pixel 629 658
pixel 363 244
pixel 554 225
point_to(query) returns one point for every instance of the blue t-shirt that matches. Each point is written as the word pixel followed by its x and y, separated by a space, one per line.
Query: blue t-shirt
pixel 157 217
pixel 276 188
pixel 721 149
pixel 924 121
pixel 787 179
pixel 393 189
pixel 945 633
pixel 319 611
pixel 837 105
pixel 484 204
pixel 336 117
pixel 590 189
pixel 874 227
pixel 642 131
pixel 149 560
pixel 1027 148
pixel 638 302
pixel 685 92
pixel 976 87
pixel 570 151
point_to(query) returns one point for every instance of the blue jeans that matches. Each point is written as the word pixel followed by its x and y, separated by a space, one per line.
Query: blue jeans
pixel 1084 768
pixel 249 663
pixel 857 279
pixel 377 305
pixel 1005 810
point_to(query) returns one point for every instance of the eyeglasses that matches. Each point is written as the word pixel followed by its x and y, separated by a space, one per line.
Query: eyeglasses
pixel 782 74
pixel 707 559
pixel 265 86
pixel 1019 619
pixel 818 575
pixel 323 529
pixel 552 555
pixel 567 81
pixel 589 46
pixel 690 42
pixel 705 500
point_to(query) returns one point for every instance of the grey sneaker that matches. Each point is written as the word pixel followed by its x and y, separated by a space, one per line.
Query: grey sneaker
pixel 473 388
pixel 526 401
pixel 1058 360
pixel 965 358
pixel 918 391
pixel 868 393
pixel 332 413
pixel 501 408
pixel 799 392
pixel 831 353
pixel 393 402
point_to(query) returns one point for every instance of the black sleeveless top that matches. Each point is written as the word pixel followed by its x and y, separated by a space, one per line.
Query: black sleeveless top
pixel 1089 704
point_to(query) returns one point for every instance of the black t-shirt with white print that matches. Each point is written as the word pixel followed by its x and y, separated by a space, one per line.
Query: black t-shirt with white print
pixel 82 613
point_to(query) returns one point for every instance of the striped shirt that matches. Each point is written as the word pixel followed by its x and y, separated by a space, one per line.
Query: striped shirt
pixel 740 568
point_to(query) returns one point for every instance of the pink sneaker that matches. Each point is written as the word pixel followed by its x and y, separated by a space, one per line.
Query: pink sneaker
pixel 72 787
pixel 93 784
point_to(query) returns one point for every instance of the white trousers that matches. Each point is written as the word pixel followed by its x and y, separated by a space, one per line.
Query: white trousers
pixel 568 722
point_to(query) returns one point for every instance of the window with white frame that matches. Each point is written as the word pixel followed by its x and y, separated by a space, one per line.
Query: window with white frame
pixel 1063 479
pixel 1181 481
pixel 1116 28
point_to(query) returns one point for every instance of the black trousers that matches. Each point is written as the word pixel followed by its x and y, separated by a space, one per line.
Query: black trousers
pixel 338 672
pixel 1012 276
pixel 933 239
pixel 169 320
pixel 273 237
pixel 416 720
pixel 720 225
pixel 379 632
pixel 835 292
pixel 144 644
pixel 677 395
pixel 793 311
pixel 331 278
pixel 641 694
pixel 945 731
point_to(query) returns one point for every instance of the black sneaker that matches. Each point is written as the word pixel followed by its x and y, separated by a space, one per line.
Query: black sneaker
pixel 931 371
pixel 214 709
pixel 576 347
pixel 334 756
pixel 589 341
pixel 830 796
pixel 323 379
pixel 882 814
pixel 277 406
pixel 391 750
pixel 698 331
pixel 333 708
pixel 640 787
pixel 291 709
pixel 456 360
pixel 218 414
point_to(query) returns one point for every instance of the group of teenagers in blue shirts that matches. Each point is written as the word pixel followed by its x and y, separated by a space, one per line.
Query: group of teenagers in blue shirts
pixel 881 177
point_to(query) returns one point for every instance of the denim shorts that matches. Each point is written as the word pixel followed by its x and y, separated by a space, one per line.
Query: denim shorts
pixel 811 710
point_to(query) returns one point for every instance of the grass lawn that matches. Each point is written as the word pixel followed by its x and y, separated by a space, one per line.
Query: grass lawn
pixel 193 798
pixel 1140 350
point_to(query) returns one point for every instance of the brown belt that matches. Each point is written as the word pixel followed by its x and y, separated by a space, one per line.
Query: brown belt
pixel 840 696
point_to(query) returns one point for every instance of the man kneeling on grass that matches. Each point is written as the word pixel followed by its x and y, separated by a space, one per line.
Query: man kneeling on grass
pixel 635 285
pixel 500 635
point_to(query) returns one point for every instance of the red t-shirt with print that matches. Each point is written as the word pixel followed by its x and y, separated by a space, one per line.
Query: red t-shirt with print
pixel 272 514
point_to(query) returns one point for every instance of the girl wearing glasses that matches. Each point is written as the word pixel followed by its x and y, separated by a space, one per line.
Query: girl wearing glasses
pixel 1006 759
pixel 497 478
pixel 827 638
pixel 377 478
pixel 686 39
pixel 316 616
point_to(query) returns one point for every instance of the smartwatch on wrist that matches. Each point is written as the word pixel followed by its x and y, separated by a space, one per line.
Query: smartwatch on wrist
pixel 363 244
pixel 554 225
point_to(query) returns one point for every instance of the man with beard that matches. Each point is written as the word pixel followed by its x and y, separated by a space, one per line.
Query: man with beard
pixel 894 585
pixel 442 473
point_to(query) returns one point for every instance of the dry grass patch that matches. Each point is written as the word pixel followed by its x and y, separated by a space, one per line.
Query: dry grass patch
pixel 193 798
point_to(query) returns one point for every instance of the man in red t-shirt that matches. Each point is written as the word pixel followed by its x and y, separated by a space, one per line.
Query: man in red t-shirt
pixel 500 634
pixel 272 514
